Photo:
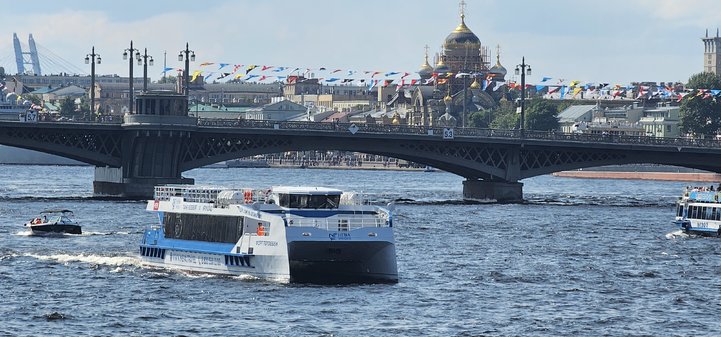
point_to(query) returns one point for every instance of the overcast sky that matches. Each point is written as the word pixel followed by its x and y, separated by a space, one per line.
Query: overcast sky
pixel 615 41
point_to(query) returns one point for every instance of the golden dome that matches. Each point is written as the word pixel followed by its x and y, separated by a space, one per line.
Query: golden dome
pixel 462 34
pixel 396 119
pixel 498 69
pixel 475 84
pixel 426 70
pixel 448 98
pixel 441 67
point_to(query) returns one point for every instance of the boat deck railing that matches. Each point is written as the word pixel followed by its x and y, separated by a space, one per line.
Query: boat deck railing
pixel 340 224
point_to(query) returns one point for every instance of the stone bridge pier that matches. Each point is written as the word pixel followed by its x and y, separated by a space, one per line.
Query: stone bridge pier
pixel 501 191
pixel 151 151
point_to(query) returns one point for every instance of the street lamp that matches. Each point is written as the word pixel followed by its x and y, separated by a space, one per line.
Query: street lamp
pixel 189 56
pixel 91 58
pixel 130 51
pixel 523 71
pixel 465 77
pixel 147 60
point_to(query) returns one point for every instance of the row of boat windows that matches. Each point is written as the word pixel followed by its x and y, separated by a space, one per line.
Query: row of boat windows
pixel 152 252
pixel 700 212
pixel 200 227
pixel 308 201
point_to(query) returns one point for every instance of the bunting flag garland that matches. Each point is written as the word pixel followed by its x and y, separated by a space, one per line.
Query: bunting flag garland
pixel 576 91
pixel 555 88
pixel 195 75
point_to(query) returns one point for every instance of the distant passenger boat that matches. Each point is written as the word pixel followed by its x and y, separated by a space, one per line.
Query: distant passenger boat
pixel 699 212
pixel 289 234
pixel 54 221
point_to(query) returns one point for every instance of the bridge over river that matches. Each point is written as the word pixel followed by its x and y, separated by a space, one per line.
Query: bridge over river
pixel 158 143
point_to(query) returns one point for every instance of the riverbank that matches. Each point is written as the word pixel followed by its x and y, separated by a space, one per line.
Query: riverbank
pixel 663 176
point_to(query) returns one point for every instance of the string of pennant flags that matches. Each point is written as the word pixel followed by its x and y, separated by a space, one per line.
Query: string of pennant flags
pixel 555 88
pixel 548 87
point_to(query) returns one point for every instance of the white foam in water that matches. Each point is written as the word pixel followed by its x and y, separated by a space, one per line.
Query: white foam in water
pixel 677 234
pixel 92 259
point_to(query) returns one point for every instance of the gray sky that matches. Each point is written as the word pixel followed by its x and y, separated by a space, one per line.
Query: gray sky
pixel 611 41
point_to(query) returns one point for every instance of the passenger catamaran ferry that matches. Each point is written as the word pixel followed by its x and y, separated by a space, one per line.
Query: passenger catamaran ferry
pixel 290 234
pixel 699 212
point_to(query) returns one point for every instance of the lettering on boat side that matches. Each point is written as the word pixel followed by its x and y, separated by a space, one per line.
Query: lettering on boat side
pixel 198 207
pixel 197 259
pixel 339 236
pixel 266 243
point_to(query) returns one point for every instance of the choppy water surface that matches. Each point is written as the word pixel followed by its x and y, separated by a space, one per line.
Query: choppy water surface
pixel 579 258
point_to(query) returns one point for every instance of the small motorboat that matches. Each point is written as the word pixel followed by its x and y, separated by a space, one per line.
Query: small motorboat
pixel 54 221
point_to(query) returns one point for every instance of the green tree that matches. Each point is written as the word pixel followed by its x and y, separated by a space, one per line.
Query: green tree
pixel 67 107
pixel 505 116
pixel 704 81
pixel 541 114
pixel 34 98
pixel 167 79
pixel 479 119
pixel 701 115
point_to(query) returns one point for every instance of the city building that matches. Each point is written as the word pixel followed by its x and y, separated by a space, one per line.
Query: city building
pixel 310 92
pixel 662 121
pixel 712 53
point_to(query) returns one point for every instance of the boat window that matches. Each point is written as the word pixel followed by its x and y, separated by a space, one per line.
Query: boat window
pixel 713 214
pixel 309 201
pixel 203 227
pixel 692 212
pixel 680 210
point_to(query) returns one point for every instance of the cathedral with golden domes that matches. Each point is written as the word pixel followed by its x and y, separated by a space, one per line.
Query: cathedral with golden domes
pixel 453 87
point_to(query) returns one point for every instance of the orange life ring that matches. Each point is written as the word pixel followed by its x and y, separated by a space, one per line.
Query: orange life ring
pixel 261 230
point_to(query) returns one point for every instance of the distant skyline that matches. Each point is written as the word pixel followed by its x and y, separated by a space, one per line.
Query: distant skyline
pixel 612 41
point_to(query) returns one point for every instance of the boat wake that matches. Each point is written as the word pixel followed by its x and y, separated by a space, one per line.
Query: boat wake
pixel 110 261
pixel 47 235
pixel 677 234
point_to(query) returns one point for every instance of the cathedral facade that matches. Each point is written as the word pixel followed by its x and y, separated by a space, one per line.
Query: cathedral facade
pixel 453 86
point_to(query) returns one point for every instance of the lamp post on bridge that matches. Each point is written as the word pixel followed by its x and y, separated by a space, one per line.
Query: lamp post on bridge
pixel 91 58
pixel 146 60
pixel 189 56
pixel 523 71
pixel 130 63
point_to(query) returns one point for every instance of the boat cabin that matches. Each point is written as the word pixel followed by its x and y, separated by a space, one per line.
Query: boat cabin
pixel 306 197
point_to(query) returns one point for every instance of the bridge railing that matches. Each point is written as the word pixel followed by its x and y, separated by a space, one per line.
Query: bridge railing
pixel 462 132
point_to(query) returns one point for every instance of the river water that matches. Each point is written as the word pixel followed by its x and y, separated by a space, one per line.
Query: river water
pixel 579 258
